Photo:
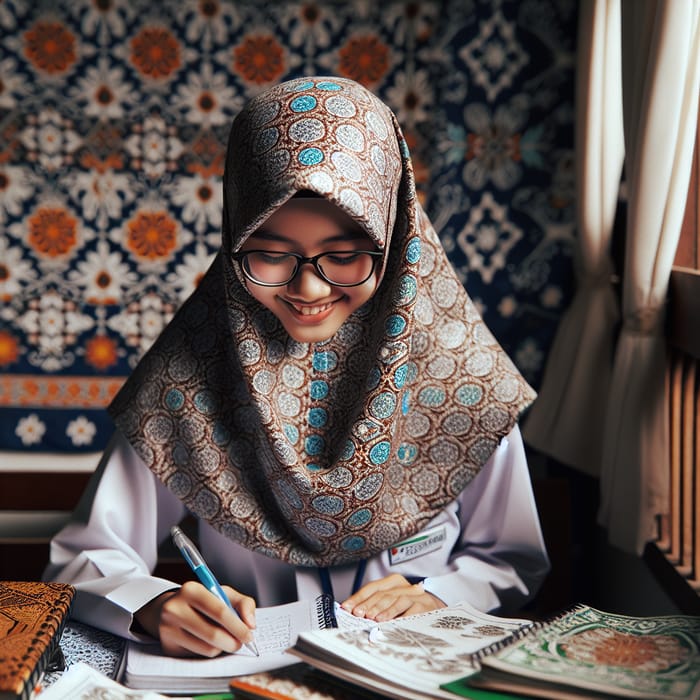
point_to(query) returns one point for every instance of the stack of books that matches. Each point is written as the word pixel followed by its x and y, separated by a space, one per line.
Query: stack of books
pixel 457 651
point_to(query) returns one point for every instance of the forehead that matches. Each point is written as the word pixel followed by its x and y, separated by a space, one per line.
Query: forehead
pixel 318 213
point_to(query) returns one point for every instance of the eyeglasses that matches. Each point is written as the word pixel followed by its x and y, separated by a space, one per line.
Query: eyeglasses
pixel 341 268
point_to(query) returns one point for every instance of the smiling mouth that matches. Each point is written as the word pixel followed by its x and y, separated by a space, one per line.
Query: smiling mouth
pixel 310 310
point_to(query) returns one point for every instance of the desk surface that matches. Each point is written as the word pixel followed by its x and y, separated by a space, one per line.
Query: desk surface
pixel 103 651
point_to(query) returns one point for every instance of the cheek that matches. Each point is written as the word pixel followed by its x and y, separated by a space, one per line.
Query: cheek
pixel 265 295
pixel 365 292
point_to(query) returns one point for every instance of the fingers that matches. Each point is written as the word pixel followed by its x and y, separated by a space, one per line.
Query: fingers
pixel 392 604
pixel 356 601
pixel 244 606
pixel 390 597
pixel 194 621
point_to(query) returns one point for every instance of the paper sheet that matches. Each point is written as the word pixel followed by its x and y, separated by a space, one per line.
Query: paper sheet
pixel 277 629
pixel 82 682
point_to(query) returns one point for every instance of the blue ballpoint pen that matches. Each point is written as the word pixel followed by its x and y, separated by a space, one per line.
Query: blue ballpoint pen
pixel 203 572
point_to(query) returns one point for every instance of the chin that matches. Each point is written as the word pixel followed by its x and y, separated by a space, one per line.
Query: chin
pixel 312 334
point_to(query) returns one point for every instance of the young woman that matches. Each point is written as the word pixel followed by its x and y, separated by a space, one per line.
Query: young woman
pixel 328 404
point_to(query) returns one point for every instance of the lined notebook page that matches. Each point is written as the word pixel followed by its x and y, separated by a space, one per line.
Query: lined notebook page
pixel 277 629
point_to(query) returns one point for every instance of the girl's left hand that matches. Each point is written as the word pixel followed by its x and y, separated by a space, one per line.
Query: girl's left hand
pixel 390 597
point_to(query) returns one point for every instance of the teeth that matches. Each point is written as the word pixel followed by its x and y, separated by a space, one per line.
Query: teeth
pixel 311 310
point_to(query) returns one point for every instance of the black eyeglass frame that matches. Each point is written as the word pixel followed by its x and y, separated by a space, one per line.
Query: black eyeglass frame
pixel 303 260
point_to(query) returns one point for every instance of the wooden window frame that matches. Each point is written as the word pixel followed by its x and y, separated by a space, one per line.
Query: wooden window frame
pixel 674 558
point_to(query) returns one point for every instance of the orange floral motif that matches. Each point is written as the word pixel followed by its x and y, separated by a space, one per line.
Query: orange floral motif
pixel 50 46
pixel 101 352
pixel 52 231
pixel 9 348
pixel 58 392
pixel 364 59
pixel 652 653
pixel 259 59
pixel 152 235
pixel 155 52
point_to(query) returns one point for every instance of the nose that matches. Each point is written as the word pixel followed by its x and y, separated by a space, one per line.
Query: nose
pixel 308 284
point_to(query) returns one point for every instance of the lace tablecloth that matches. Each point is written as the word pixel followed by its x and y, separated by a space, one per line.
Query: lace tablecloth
pixel 101 650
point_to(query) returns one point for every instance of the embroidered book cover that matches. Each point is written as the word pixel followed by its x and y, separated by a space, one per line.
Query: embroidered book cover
pixel 32 616
pixel 591 650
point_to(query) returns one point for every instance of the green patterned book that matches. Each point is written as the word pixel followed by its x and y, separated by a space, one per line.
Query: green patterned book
pixel 589 653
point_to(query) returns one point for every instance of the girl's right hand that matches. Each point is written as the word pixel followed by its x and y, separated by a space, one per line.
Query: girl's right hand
pixel 192 621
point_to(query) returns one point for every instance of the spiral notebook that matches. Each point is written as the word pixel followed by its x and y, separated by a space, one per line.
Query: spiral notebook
pixel 586 653
pixel 146 667
pixel 410 657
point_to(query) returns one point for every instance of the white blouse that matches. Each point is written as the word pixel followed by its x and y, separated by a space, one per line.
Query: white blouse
pixel 486 547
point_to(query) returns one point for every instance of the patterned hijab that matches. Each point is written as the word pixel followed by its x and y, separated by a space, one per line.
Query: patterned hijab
pixel 323 453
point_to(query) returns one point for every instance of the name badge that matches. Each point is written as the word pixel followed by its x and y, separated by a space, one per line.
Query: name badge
pixel 423 543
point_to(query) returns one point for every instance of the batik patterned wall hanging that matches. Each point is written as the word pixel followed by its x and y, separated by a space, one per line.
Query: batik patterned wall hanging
pixel 113 122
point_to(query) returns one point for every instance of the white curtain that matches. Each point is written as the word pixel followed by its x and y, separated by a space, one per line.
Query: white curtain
pixel 567 420
pixel 661 69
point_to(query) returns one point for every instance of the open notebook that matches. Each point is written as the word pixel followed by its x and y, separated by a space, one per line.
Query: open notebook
pixel 408 658
pixel 145 666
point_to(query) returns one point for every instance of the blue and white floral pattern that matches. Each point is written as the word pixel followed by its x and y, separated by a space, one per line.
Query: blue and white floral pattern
pixel 113 125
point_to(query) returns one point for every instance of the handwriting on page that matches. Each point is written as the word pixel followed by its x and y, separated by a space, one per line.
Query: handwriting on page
pixel 274 635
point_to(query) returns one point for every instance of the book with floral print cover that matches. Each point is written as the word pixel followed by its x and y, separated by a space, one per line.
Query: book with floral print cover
pixel 590 653
pixel 408 658
pixel 32 617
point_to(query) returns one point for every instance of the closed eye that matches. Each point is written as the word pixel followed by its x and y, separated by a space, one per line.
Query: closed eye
pixel 342 258
pixel 272 258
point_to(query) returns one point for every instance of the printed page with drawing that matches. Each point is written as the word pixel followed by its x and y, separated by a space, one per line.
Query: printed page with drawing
pixel 277 629
pixel 410 657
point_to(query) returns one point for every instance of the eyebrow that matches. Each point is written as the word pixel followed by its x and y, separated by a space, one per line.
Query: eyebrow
pixel 269 235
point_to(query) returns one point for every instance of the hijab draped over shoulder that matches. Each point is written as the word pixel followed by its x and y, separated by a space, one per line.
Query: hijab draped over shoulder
pixel 325 453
